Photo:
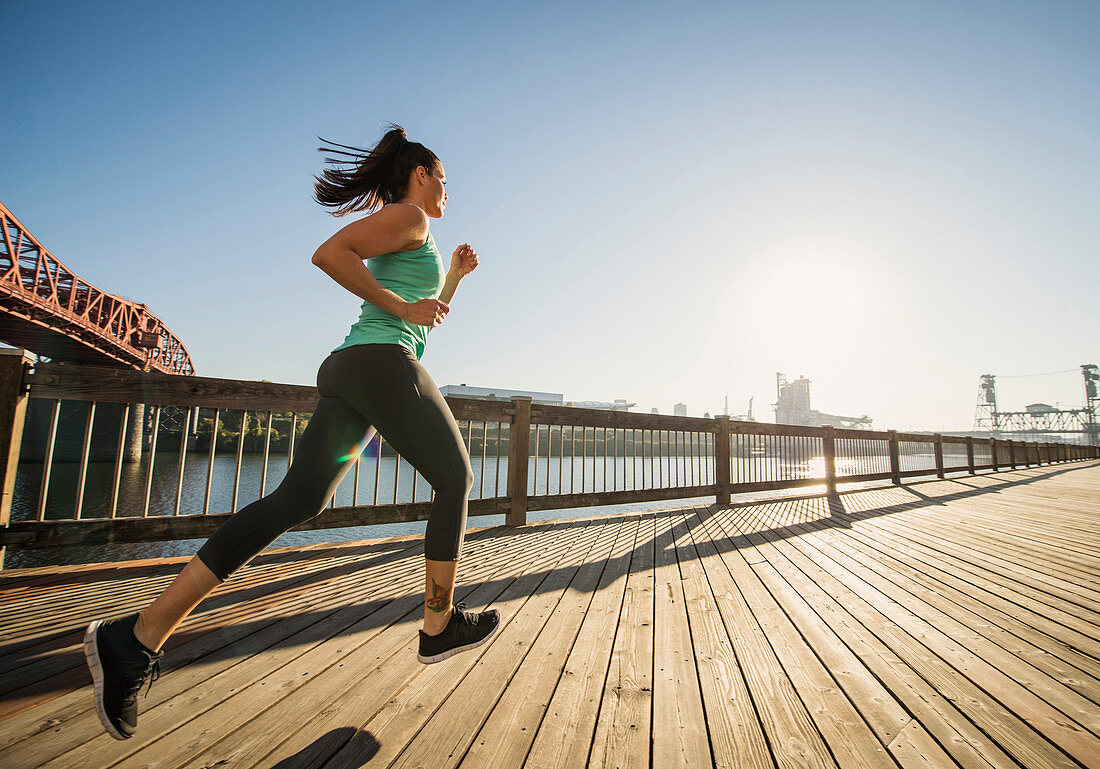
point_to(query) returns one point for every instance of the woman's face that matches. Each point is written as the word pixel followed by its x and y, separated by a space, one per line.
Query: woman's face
pixel 436 192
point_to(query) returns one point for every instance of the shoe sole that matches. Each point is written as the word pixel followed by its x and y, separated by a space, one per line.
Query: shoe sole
pixel 91 654
pixel 457 650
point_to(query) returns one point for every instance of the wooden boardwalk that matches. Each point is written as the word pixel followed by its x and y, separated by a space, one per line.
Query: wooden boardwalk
pixel 947 623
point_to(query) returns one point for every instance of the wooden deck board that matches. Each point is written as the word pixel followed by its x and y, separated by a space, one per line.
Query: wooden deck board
pixel 947 623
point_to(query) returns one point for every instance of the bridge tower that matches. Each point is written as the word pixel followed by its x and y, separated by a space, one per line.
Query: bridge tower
pixel 1092 401
pixel 985 412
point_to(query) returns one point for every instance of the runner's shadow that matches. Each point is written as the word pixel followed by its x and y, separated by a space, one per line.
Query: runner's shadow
pixel 362 745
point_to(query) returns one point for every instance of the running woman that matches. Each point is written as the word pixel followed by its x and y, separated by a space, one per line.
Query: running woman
pixel 372 382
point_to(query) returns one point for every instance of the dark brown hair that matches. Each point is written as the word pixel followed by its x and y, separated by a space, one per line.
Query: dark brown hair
pixel 363 180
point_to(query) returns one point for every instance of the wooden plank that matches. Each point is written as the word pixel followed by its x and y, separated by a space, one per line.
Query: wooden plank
pixel 226 701
pixel 507 734
pixel 137 587
pixel 565 734
pixel 448 734
pixel 67 667
pixel 736 735
pixel 1050 562
pixel 1057 593
pixel 850 739
pixel 407 711
pixel 973 652
pixel 191 651
pixel 624 727
pixel 1044 551
pixel 369 696
pixel 1011 723
pixel 679 721
pixel 906 740
pixel 791 733
pixel 851 622
pixel 187 630
pixel 593 498
pixel 336 700
pixel 1052 550
pixel 214 652
pixel 1011 626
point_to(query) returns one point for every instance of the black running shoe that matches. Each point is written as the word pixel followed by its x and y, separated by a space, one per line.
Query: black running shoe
pixel 120 665
pixel 465 630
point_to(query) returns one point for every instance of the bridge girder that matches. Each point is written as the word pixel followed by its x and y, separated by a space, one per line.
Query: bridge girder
pixel 48 309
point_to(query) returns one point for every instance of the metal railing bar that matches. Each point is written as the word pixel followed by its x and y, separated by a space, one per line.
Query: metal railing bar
pixel 396 474
pixel 240 458
pixel 47 463
pixel 182 460
pixel 355 477
pixel 116 480
pixel 85 452
pixel 267 453
pixel 535 478
pixel 377 469
pixel 152 461
pixel 210 462
pixel 293 433
pixel 484 442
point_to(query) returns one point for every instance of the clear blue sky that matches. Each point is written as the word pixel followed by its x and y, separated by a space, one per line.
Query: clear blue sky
pixel 671 201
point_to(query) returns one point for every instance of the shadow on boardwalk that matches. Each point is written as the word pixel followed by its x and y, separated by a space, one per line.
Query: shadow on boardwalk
pixel 54 660
pixel 321 602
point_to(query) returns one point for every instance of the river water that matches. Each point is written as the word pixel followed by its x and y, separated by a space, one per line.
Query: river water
pixel 375 477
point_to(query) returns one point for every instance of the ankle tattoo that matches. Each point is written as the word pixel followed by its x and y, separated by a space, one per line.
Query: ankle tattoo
pixel 438 602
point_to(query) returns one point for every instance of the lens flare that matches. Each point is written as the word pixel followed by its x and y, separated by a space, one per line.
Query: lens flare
pixel 356 450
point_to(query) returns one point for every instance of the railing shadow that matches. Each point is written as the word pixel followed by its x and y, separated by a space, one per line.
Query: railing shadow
pixel 63 669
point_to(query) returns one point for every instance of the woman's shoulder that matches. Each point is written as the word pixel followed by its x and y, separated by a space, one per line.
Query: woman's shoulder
pixel 403 213
pixel 409 220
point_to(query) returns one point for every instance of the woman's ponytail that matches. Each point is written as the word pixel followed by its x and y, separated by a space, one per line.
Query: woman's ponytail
pixel 363 180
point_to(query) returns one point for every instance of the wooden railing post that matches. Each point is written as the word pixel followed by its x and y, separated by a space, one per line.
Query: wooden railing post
pixel 937 447
pixel 993 453
pixel 722 459
pixel 895 459
pixel 970 454
pixel 1012 453
pixel 13 414
pixel 519 438
pixel 828 446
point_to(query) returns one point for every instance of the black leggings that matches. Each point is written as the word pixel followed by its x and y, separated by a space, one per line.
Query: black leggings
pixel 364 388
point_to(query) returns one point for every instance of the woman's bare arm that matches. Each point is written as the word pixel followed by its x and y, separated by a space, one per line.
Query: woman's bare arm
pixel 394 228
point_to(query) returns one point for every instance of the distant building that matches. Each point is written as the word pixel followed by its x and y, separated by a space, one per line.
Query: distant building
pixel 793 407
pixel 501 394
pixel 680 410
pixel 616 405
pixel 550 399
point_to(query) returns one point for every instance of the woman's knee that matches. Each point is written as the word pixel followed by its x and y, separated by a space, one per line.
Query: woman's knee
pixel 458 479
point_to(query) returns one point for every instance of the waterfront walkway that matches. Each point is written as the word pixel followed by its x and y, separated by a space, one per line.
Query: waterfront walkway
pixel 945 623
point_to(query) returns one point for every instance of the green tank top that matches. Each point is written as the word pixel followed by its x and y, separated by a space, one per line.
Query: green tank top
pixel 412 275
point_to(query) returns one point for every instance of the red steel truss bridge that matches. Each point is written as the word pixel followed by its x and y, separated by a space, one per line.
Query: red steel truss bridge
pixel 48 309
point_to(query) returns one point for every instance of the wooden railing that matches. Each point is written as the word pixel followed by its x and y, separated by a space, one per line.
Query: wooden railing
pixel 564 457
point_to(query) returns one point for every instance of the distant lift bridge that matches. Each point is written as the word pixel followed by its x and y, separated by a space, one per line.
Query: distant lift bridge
pixel 48 309
pixel 1039 419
